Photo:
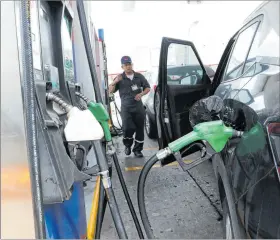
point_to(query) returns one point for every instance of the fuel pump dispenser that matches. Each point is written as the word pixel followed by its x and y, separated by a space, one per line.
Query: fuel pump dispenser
pixel 57 197
pixel 58 119
pixel 54 115
pixel 60 171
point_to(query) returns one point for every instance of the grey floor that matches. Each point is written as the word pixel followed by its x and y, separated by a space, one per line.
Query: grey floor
pixel 175 205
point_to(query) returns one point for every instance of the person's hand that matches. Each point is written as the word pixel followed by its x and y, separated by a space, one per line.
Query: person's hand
pixel 112 86
pixel 138 97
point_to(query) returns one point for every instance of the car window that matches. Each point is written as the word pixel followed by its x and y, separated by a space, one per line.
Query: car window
pixel 236 62
pixel 183 67
pixel 154 78
pixel 251 67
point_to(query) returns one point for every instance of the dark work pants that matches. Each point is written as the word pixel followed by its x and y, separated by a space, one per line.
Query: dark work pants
pixel 133 122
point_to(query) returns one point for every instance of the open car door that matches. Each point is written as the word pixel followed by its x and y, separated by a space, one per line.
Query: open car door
pixel 182 80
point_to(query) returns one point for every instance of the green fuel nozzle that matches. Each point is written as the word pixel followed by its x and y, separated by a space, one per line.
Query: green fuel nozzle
pixel 214 132
pixel 102 116
pixel 100 113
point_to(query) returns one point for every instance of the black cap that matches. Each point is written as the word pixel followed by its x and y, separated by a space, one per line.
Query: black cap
pixel 126 59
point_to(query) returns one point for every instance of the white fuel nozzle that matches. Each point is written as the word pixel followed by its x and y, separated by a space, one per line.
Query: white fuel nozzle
pixel 82 126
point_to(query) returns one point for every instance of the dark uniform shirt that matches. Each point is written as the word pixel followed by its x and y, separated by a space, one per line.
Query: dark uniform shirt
pixel 128 89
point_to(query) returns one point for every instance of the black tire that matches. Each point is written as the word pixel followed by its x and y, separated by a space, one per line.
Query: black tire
pixel 150 127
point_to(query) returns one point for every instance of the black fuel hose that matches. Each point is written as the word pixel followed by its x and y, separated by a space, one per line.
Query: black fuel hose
pixel 127 197
pixel 118 111
pixel 102 161
pixel 141 192
pixel 118 130
pixel 103 201
pixel 29 102
pixel 141 195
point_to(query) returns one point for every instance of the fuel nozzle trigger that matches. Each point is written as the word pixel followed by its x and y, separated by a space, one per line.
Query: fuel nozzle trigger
pixel 206 154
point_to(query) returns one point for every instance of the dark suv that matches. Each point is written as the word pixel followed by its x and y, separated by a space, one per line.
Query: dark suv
pixel 247 79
